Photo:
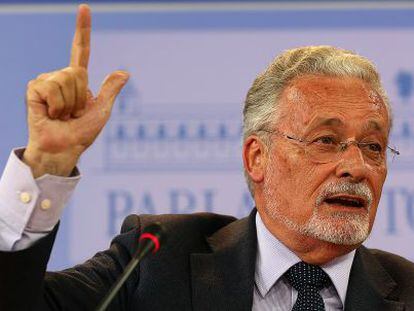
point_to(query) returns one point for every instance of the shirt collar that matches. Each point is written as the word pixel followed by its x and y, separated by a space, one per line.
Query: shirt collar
pixel 273 259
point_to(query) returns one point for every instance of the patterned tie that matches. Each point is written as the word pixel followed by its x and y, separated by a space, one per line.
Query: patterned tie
pixel 308 280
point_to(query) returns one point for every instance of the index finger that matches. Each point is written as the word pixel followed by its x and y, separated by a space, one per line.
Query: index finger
pixel 79 56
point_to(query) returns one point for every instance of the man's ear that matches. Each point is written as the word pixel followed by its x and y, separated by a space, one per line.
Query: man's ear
pixel 254 158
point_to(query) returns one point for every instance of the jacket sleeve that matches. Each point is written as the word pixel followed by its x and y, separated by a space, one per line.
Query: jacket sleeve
pixel 25 284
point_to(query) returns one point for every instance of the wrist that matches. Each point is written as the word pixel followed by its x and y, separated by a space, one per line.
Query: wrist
pixel 41 163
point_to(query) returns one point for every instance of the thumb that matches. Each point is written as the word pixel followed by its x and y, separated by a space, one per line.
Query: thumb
pixel 111 87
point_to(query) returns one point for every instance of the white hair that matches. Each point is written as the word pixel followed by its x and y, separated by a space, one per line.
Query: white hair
pixel 261 104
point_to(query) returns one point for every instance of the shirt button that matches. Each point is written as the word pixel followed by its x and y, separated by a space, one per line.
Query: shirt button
pixel 25 197
pixel 45 204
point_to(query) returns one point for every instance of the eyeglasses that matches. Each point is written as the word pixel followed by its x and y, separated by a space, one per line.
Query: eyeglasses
pixel 325 149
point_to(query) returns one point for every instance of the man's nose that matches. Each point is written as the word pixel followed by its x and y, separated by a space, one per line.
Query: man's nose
pixel 351 164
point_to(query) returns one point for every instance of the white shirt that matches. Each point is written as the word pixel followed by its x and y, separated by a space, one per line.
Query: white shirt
pixel 29 208
pixel 273 259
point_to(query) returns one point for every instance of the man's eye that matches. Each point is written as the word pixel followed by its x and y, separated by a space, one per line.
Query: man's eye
pixel 375 147
pixel 325 140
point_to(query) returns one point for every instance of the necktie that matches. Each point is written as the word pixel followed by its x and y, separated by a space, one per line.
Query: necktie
pixel 308 280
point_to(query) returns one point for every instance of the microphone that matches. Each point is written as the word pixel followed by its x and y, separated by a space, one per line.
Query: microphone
pixel 149 241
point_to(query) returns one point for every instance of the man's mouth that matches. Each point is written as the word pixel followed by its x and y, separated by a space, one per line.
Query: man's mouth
pixel 346 201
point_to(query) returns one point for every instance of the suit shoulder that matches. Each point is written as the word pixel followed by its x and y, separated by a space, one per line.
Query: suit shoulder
pixel 400 268
pixel 189 231
pixel 202 223
pixel 191 225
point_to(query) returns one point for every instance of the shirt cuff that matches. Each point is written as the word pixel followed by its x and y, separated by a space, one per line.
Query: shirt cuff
pixel 29 205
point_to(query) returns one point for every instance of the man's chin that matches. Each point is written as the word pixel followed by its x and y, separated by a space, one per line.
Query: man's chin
pixel 337 227
pixel 340 228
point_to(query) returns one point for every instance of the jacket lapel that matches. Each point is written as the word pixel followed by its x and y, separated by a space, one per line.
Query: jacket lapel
pixel 370 286
pixel 224 278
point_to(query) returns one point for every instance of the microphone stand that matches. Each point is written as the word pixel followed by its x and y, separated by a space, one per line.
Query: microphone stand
pixel 149 240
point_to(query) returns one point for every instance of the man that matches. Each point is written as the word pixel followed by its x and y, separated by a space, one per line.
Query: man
pixel 316 127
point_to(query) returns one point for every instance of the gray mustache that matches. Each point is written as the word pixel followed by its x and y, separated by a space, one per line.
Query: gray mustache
pixel 359 189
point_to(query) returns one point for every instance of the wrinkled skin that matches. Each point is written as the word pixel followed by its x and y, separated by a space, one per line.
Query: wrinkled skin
pixel 295 181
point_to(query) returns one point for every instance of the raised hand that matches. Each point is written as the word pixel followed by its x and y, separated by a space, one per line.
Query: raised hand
pixel 64 118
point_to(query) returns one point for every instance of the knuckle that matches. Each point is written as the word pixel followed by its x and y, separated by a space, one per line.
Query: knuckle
pixel 81 102
pixel 65 79
pixel 81 73
pixel 66 109
pixel 69 70
pixel 65 74
pixel 31 83
pixel 53 111
pixel 53 89
pixel 43 76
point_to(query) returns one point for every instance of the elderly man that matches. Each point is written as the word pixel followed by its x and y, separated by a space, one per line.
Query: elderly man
pixel 316 127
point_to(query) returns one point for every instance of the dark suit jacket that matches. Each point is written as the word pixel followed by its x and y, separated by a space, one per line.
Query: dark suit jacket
pixel 208 263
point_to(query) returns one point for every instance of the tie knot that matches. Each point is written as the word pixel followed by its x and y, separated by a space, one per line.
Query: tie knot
pixel 303 275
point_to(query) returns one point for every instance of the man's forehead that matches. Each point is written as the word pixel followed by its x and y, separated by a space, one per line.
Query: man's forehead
pixel 324 87
pixel 335 122
pixel 331 100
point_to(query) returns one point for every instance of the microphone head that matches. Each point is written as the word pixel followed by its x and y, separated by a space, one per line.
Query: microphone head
pixel 151 238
